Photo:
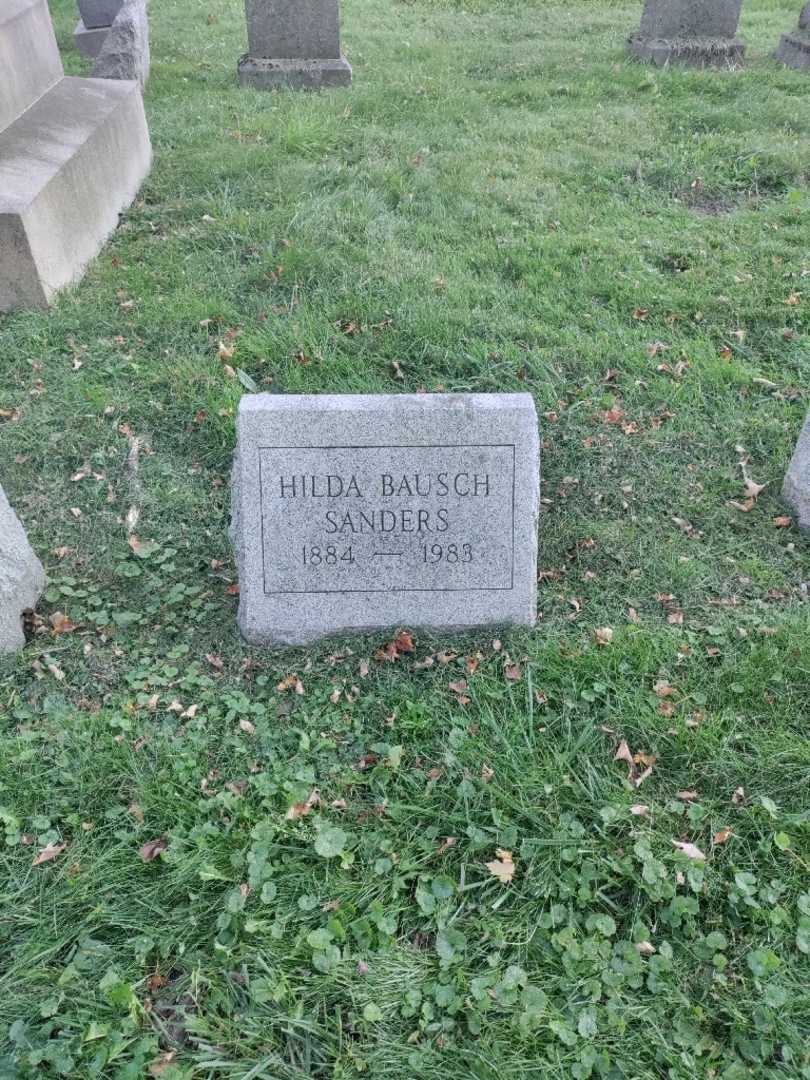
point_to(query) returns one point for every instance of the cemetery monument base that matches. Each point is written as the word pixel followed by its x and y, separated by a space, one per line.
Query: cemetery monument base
pixel 265 74
pixel 89 41
pixel 73 153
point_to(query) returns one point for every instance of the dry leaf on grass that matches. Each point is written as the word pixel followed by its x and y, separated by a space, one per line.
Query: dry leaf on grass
pixel 301 809
pixel 722 836
pixel 503 868
pixel 662 689
pixel 48 854
pixel 153 848
pixel 160 1065
pixel 394 649
pixel 61 623
pixel 690 850
pixel 603 635
pixel 623 754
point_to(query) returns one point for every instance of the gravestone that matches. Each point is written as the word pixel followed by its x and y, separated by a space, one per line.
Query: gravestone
pixel 73 153
pixel 125 53
pixel 794 49
pixel 293 43
pixel 355 513
pixel 796 490
pixel 95 19
pixel 21 578
pixel 697 32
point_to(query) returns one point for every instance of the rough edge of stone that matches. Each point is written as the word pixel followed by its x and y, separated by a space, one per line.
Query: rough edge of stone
pixel 794 50
pixel 694 52
pixel 796 488
pixel 22 578
pixel 125 53
pixel 89 42
pixel 270 74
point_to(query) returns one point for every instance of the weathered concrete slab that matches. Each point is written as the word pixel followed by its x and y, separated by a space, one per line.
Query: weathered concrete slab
pixel 694 32
pixel 358 512
pixel 125 52
pixel 796 490
pixel 22 578
pixel 68 166
pixel 794 48
pixel 89 42
pixel 96 13
pixel 293 43
pixel 29 57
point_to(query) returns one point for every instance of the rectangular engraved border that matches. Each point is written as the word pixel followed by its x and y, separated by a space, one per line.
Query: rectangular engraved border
pixel 391 446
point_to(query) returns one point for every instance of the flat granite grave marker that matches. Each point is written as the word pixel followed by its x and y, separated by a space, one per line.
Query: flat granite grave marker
pixel 21 578
pixel 796 490
pixel 355 513
pixel 293 43
pixel 794 49
pixel 697 32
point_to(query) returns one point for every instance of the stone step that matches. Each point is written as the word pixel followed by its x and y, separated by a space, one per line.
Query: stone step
pixel 68 166
pixel 29 57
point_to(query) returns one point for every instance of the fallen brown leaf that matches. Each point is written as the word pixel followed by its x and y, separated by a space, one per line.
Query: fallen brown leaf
pixel 153 848
pixel 301 809
pixel 48 853
pixel 690 850
pixel 722 836
pixel 503 868
pixel 61 623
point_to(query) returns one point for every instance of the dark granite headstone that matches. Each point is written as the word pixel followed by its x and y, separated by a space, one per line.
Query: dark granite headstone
pixel 701 33
pixel 293 43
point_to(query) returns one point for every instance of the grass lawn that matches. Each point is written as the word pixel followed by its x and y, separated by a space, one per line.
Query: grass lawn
pixel 503 201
